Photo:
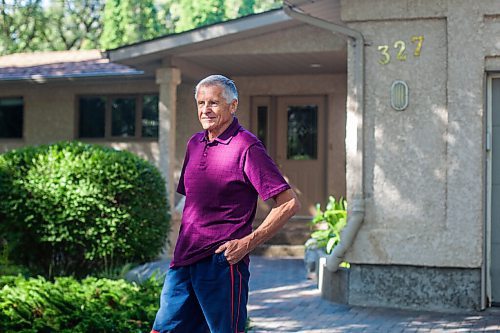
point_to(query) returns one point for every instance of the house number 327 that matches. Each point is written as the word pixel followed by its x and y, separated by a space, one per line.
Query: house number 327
pixel 401 52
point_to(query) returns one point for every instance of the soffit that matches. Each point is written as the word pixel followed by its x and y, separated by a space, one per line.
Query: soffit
pixel 195 66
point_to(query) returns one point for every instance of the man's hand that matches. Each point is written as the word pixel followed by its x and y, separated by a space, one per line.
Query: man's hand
pixel 235 250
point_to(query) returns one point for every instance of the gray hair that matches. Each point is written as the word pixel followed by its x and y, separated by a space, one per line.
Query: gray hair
pixel 230 92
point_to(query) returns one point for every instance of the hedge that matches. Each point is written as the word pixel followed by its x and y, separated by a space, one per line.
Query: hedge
pixel 73 209
pixel 66 305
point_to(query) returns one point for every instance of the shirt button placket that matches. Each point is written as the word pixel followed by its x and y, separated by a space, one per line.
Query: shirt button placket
pixel 203 161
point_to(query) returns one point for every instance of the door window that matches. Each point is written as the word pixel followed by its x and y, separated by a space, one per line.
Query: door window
pixel 302 137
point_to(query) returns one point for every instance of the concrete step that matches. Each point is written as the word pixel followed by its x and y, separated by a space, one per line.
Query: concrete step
pixel 275 251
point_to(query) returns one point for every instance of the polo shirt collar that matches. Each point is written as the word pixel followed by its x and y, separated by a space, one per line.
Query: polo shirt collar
pixel 227 135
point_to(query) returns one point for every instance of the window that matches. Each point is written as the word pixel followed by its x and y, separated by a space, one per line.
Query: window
pixel 117 116
pixel 150 116
pixel 123 117
pixel 11 118
pixel 92 117
pixel 262 124
pixel 302 132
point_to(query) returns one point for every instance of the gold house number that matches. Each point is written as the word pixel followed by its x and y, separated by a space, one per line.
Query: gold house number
pixel 400 47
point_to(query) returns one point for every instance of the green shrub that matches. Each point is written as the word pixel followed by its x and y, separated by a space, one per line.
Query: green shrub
pixel 67 305
pixel 329 223
pixel 74 208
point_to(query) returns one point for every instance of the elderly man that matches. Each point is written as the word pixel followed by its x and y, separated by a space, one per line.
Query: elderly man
pixel 225 169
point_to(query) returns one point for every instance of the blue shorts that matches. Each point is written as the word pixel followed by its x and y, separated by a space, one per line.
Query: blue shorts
pixel 207 296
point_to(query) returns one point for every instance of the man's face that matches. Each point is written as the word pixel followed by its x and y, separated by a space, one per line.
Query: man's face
pixel 214 112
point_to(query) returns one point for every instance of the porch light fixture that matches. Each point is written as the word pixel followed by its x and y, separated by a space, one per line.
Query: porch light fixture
pixel 399 95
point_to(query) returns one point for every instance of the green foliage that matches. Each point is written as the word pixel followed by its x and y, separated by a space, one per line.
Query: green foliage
pixel 130 21
pixel 246 8
pixel 42 25
pixel 37 25
pixel 21 26
pixel 74 208
pixel 67 305
pixel 72 24
pixel 192 14
pixel 329 223
pixel 6 267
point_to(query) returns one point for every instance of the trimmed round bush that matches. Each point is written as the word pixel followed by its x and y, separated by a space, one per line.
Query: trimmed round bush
pixel 74 208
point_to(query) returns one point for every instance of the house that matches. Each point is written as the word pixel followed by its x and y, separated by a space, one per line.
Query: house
pixel 398 104
pixel 282 68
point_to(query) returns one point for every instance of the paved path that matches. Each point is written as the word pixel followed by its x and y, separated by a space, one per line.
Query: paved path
pixel 283 300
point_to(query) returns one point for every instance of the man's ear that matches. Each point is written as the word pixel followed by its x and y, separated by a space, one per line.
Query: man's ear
pixel 234 106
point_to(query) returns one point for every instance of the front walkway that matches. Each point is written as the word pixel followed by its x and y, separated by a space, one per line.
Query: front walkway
pixel 282 300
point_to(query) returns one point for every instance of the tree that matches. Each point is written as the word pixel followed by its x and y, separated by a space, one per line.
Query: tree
pixel 21 22
pixel 39 25
pixel 73 24
pixel 130 21
pixel 192 14
pixel 246 8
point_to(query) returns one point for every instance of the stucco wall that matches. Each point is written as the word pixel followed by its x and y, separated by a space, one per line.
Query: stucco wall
pixel 50 111
pixel 424 167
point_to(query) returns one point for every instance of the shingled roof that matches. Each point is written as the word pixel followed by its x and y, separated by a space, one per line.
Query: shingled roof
pixel 39 66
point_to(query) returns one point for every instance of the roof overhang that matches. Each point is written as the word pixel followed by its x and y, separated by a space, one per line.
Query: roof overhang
pixel 37 78
pixel 269 43
pixel 224 32
pixel 44 66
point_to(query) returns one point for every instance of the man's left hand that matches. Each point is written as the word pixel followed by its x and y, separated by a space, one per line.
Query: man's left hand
pixel 235 250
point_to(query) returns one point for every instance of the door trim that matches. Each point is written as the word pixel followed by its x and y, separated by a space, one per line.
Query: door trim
pixel 486 284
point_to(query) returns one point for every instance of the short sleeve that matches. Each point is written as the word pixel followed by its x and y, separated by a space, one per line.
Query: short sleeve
pixel 181 189
pixel 261 171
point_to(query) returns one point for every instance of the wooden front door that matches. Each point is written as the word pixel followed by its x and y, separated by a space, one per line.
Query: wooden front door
pixel 293 130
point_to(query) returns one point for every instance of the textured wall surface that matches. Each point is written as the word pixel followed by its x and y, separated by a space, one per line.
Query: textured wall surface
pixel 424 166
pixel 430 288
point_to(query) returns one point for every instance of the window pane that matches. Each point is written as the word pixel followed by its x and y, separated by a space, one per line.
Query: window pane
pixel 150 118
pixel 302 141
pixel 92 115
pixel 123 117
pixel 11 118
pixel 262 124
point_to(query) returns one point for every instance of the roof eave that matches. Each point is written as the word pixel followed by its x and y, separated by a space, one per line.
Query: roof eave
pixel 45 78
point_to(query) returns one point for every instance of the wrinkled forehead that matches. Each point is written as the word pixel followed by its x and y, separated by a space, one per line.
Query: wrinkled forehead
pixel 213 89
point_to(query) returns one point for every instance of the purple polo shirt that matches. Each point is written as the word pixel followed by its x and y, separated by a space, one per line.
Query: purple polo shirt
pixel 221 180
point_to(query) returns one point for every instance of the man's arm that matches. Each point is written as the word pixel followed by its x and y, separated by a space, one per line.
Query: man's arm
pixel 285 207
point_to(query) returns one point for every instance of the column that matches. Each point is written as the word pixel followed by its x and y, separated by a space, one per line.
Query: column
pixel 168 79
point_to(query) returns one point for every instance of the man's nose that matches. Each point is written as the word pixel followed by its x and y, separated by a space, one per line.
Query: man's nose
pixel 205 108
